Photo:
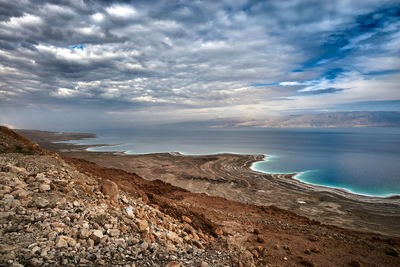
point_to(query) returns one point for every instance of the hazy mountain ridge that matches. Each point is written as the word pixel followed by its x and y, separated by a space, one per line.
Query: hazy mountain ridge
pixel 334 119
pixel 320 120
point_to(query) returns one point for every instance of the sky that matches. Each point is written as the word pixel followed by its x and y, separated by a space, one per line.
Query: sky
pixel 93 64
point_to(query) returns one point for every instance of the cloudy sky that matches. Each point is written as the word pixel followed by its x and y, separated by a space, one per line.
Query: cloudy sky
pixel 90 63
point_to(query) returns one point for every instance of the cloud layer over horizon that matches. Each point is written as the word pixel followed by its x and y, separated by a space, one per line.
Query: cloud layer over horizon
pixel 134 61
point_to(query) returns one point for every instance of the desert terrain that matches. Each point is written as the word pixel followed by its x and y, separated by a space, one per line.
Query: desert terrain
pixel 256 219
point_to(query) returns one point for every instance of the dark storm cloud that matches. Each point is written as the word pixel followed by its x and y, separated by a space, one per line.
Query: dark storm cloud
pixel 188 56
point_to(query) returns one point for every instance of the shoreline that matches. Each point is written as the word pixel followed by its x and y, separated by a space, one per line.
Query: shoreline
pixel 230 176
pixel 88 148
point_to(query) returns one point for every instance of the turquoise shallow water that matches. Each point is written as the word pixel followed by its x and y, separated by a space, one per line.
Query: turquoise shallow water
pixel 363 160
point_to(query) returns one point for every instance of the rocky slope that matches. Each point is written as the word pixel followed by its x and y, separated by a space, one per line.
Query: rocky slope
pixel 51 214
pixel 65 211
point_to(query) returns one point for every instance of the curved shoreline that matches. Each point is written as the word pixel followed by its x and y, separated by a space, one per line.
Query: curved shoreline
pixel 93 148
pixel 230 176
pixel 295 174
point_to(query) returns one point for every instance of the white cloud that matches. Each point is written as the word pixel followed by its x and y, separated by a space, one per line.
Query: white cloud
pixel 20 22
pixel 201 56
pixel 121 11
pixel 98 17
pixel 291 83
pixel 355 42
pixel 65 92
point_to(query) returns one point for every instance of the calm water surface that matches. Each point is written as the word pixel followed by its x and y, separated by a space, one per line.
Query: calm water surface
pixel 364 161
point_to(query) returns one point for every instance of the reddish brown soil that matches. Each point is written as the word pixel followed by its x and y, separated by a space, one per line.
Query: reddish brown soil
pixel 17 143
pixel 281 237
pixel 272 236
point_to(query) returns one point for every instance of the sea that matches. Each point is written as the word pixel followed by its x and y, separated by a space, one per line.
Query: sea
pixel 363 161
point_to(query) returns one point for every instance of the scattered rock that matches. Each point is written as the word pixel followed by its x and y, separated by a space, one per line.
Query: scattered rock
pixel 41 202
pixel 7 248
pixel 84 233
pixel 15 169
pixel 144 246
pixel 20 194
pixel 83 261
pixel 255 253
pixel 41 178
pixel 113 232
pixel 315 250
pixel 186 219
pixel 218 232
pixel 96 236
pixel 142 224
pixel 5 216
pixel 63 241
pixel 90 242
pixel 110 189
pixel 306 262
pixel 124 199
pixel 173 237
pixel 129 211
pixel 67 225
pixel 35 262
pixel 44 188
pixel 35 249
pixel 174 264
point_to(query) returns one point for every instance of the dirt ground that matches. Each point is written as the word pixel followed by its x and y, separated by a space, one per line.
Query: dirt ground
pixel 272 235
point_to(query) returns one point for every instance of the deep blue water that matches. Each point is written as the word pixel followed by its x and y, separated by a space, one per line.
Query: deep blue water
pixel 362 160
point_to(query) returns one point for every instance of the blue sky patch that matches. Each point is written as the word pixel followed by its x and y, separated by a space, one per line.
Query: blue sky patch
pixel 79 47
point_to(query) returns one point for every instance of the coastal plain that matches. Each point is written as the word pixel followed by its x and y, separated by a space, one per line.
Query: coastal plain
pixel 243 217
pixel 229 176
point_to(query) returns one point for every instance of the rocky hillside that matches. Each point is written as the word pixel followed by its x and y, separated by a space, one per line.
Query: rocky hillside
pixel 59 211
pixel 51 214
pixel 11 141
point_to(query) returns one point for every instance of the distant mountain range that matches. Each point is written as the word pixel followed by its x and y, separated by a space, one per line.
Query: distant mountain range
pixel 320 120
